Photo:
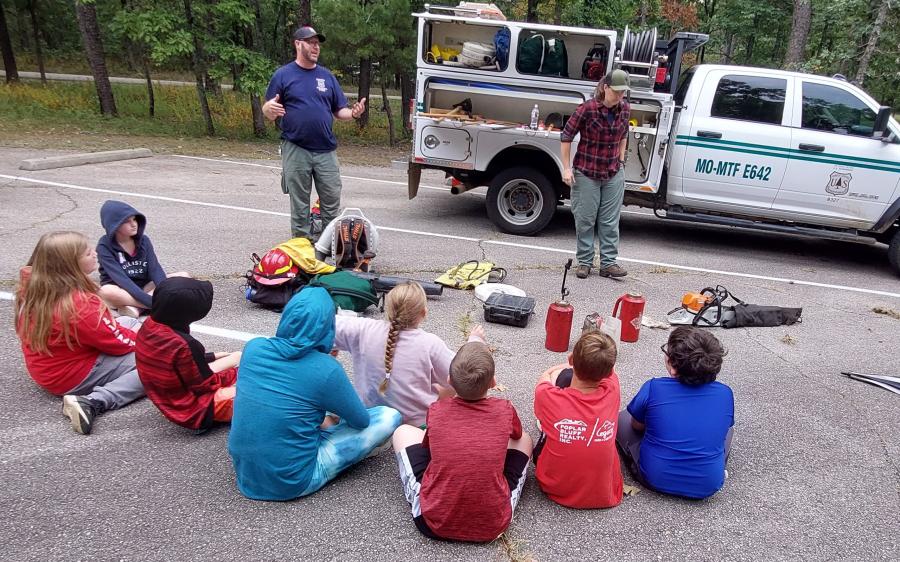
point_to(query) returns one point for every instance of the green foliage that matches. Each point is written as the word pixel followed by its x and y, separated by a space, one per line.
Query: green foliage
pixel 69 105
pixel 245 51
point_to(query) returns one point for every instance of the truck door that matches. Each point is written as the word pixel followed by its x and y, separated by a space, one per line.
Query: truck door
pixel 734 147
pixel 837 172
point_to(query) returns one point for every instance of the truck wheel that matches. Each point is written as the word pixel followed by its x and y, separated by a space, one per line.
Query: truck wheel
pixel 894 252
pixel 521 201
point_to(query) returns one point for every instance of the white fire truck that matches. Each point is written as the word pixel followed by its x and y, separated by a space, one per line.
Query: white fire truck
pixel 747 147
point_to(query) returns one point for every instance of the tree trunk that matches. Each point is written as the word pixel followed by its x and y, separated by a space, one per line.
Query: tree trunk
pixel 387 109
pixel 557 12
pixel 259 122
pixel 304 13
pixel 729 48
pixel 36 31
pixel 406 95
pixel 799 34
pixel 151 98
pixel 93 48
pixel 9 58
pixel 365 84
pixel 751 41
pixel 873 41
pixel 197 60
pixel 531 15
pixel 256 44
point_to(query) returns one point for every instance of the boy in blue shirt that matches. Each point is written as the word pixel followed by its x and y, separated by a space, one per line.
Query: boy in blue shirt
pixel 675 435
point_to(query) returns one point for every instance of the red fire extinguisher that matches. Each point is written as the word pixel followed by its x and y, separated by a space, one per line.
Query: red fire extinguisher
pixel 559 319
pixel 632 305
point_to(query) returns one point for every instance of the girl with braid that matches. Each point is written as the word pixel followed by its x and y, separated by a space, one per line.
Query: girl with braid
pixel 395 363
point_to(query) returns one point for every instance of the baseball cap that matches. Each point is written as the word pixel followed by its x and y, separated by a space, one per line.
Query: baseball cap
pixel 307 32
pixel 618 81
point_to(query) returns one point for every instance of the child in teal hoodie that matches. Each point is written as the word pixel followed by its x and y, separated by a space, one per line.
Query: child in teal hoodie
pixel 281 442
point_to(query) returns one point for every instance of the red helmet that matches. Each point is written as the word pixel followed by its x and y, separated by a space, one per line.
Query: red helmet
pixel 275 268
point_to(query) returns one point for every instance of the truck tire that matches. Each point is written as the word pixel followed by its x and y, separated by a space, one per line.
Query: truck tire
pixel 894 252
pixel 521 200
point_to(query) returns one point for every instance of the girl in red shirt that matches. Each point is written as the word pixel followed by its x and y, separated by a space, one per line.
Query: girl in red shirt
pixel 72 344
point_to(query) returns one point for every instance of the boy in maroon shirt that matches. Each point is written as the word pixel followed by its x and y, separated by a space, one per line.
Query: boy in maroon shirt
pixel 463 477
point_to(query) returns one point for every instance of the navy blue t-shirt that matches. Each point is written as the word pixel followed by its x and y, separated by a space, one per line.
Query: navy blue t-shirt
pixel 310 98
pixel 683 450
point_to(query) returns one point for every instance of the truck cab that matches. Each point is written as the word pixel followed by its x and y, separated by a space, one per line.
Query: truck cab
pixel 790 147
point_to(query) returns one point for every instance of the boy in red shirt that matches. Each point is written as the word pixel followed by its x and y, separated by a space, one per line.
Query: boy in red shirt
pixel 191 388
pixel 463 477
pixel 577 463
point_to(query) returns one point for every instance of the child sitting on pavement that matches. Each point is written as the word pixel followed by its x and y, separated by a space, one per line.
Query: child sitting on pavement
pixel 191 388
pixel 129 269
pixel 577 408
pixel 282 444
pixel 675 435
pixel 72 345
pixel 395 363
pixel 464 475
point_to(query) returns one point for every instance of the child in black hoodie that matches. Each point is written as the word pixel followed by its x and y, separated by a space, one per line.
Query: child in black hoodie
pixel 129 269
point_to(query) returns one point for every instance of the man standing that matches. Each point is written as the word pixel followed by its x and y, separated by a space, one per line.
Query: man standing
pixel 307 98
pixel 598 182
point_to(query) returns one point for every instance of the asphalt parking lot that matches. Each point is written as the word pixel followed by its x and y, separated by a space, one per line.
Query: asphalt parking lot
pixel 814 470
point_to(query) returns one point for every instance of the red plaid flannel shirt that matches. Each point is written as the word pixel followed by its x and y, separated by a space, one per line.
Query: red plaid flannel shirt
pixel 598 149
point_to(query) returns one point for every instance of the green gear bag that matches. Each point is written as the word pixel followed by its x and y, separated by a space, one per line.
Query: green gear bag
pixel 531 54
pixel 348 291
pixel 556 59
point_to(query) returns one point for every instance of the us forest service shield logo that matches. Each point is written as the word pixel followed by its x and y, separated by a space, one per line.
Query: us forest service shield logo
pixel 838 183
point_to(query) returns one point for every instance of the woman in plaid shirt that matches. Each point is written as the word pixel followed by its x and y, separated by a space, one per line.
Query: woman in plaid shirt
pixel 598 179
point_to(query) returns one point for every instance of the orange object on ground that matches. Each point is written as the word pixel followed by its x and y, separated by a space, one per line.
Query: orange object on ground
pixel 694 301
pixel 223 404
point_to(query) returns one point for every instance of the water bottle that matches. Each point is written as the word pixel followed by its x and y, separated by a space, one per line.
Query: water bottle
pixel 535 113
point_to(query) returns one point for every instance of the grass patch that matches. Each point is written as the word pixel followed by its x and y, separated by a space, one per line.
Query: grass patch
pixel 465 324
pixel 788 339
pixel 514 549
pixel 887 312
pixel 660 269
pixel 73 106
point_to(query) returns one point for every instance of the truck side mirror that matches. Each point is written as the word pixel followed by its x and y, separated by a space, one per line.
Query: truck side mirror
pixel 880 129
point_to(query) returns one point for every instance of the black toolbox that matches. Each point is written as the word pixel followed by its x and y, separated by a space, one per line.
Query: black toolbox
pixel 508 309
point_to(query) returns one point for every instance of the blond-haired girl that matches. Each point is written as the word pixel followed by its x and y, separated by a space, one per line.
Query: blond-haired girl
pixel 395 363
pixel 72 345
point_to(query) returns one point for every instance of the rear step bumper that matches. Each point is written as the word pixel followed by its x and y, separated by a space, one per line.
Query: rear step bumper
pixel 844 236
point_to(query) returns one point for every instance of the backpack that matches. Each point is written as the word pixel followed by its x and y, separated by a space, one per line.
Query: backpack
pixel 531 54
pixel 352 240
pixel 348 291
pixel 274 297
pixel 556 59
pixel 543 56
pixel 501 47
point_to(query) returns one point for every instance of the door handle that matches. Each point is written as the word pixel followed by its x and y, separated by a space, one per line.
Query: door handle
pixel 812 147
pixel 709 134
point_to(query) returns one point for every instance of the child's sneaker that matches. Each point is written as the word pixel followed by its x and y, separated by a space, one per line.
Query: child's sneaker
pixel 81 411
pixel 380 449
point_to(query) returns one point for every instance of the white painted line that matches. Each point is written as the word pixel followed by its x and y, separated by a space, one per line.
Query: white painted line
pixel 436 188
pixel 469 239
pixel 224 332
pixel 195 328
pixel 707 270
pixel 145 196
pixel 391 182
